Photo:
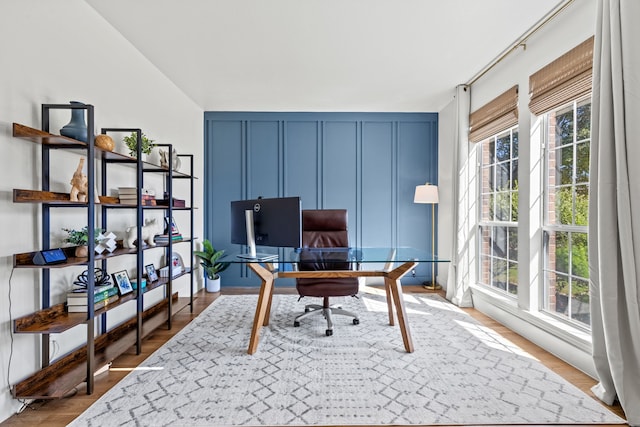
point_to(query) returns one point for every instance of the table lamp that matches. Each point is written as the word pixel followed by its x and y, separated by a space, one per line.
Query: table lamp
pixel 429 194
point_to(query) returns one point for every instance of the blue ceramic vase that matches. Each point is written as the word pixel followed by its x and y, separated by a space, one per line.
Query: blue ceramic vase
pixel 77 127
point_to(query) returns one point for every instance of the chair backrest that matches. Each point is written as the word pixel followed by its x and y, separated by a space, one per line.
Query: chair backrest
pixel 324 228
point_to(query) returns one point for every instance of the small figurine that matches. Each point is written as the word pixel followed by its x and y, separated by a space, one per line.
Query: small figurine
pixel 79 185
pixel 150 229
pixel 164 159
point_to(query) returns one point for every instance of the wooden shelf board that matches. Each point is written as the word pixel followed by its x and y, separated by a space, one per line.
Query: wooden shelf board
pixel 25 260
pixel 37 196
pixel 45 138
pixel 54 319
pixel 61 376
pixel 152 207
pixel 59 141
pixel 57 319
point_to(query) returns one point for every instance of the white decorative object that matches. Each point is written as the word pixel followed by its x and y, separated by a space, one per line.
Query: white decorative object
pixel 150 229
pixel 164 272
pixel 164 159
pixel 106 242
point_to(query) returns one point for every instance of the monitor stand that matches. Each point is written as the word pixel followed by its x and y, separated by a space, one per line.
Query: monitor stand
pixel 251 241
pixel 259 257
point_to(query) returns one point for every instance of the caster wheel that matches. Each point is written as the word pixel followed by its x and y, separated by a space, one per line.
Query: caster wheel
pixel 306 310
pixel 329 332
pixel 296 324
pixel 356 321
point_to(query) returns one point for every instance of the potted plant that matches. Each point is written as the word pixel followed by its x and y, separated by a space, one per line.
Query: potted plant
pixel 209 260
pixel 132 144
pixel 80 238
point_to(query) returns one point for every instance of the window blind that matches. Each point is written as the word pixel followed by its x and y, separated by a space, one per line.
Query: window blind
pixel 563 80
pixel 495 116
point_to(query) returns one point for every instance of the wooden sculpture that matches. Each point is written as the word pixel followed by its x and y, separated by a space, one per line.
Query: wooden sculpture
pixel 79 185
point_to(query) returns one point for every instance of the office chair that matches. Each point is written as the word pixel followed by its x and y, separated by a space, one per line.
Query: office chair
pixel 326 228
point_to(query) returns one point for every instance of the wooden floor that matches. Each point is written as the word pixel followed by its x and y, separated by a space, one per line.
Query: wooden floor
pixel 54 413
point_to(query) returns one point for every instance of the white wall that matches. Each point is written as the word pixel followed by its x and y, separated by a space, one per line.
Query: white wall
pixel 54 52
pixel 567 30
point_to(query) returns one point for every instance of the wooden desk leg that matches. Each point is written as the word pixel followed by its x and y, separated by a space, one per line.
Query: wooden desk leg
pixel 387 268
pixel 268 314
pixel 392 280
pixel 387 289
pixel 264 304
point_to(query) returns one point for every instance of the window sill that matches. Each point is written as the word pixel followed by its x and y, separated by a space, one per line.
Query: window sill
pixel 566 332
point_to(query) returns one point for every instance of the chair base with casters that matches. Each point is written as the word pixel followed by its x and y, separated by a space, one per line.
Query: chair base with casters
pixel 326 310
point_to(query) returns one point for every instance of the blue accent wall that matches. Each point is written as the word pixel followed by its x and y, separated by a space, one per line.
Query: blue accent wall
pixel 367 163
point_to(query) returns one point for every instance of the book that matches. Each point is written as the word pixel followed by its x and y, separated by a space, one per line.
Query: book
pixel 81 298
pixel 135 197
pixel 127 190
pixel 143 202
pixel 164 238
pixel 97 306
pixel 83 290
pixel 177 203
pixel 122 191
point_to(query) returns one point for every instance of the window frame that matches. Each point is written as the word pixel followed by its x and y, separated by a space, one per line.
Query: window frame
pixel 511 226
pixel 548 228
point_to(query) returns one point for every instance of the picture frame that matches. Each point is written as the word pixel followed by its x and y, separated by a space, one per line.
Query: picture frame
pixel 152 275
pixel 121 279
pixel 171 226
pixel 176 263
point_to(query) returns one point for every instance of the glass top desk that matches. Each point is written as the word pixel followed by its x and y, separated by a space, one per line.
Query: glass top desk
pixel 390 263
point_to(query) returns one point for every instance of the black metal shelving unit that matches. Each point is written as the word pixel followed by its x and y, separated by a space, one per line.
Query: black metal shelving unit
pixel 56 379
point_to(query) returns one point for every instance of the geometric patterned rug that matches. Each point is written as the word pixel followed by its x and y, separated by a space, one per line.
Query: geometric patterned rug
pixel 460 373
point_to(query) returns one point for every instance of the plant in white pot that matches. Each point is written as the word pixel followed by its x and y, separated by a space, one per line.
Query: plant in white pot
pixel 209 260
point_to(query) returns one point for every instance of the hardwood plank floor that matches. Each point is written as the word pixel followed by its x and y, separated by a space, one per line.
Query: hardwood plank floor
pixel 58 413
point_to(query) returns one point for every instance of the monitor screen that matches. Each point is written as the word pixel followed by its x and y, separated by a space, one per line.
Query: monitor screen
pixel 276 222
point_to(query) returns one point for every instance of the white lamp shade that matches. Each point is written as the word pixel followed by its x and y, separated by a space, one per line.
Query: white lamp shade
pixel 426 194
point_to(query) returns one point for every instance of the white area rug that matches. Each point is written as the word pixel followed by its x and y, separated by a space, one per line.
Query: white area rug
pixel 460 373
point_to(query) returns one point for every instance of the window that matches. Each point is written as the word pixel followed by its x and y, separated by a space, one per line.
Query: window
pixel 566 267
pixel 499 212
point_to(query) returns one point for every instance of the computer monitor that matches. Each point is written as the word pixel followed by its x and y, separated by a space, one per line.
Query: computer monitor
pixel 266 222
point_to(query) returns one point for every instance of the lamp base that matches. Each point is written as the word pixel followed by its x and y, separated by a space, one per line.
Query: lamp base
pixel 431 286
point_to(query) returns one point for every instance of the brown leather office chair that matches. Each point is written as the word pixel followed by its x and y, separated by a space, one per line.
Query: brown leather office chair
pixel 326 228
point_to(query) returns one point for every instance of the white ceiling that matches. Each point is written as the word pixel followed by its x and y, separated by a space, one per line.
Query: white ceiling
pixel 321 55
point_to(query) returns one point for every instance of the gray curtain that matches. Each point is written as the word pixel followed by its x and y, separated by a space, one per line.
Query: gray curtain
pixel 614 205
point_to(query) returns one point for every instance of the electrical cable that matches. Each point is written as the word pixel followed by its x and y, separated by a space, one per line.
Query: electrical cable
pixel 24 403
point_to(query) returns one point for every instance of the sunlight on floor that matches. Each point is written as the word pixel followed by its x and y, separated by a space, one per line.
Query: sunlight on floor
pixel 138 368
pixel 493 339
pixel 440 304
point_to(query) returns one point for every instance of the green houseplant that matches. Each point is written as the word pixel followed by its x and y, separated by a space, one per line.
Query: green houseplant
pixel 209 260
pixel 80 238
pixel 132 144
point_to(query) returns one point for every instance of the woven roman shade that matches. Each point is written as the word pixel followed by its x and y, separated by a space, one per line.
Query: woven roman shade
pixel 495 116
pixel 563 80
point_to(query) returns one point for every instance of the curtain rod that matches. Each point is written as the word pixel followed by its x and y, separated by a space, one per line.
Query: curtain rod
pixel 522 39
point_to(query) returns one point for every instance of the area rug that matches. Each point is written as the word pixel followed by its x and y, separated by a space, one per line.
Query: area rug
pixel 460 373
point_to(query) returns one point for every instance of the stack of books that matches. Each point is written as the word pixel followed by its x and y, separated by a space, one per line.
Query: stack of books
pixel 77 301
pixel 164 238
pixel 177 203
pixel 170 232
pixel 129 196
